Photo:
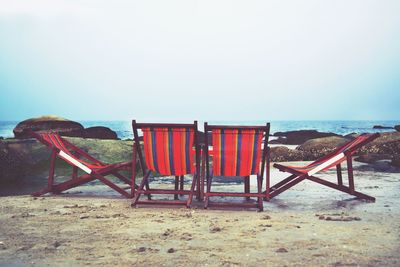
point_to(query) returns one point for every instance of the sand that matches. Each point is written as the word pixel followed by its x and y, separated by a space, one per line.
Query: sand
pixel 306 226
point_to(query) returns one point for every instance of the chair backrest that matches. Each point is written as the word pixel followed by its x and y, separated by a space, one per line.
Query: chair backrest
pixel 237 150
pixel 340 154
pixel 67 151
pixel 169 149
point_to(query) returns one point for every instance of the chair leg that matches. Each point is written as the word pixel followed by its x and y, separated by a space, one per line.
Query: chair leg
pixel 259 190
pixel 74 172
pixel 50 178
pixel 350 173
pixel 247 185
pixel 198 190
pixel 181 183
pixel 148 188
pixel 139 192
pixel 339 174
pixel 176 187
pixel 202 177
pixel 267 177
pixel 50 181
pixel 190 198
pixel 208 190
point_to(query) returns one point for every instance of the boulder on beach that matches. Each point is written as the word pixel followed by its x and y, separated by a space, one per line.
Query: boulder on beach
pixel 48 123
pixel 319 147
pixel 282 153
pixel 26 157
pixel 396 161
pixel 386 143
pixel 372 157
pixel 397 127
pixel 351 135
pixel 21 157
pixel 100 132
pixel 382 127
pixel 299 137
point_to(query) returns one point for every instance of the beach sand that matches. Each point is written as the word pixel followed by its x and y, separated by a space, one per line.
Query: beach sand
pixel 309 225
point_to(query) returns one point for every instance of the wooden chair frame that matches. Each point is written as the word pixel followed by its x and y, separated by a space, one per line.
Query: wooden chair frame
pixel 91 174
pixel 178 190
pixel 297 176
pixel 260 176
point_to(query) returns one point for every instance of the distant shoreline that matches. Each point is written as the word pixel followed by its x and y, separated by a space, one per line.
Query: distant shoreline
pixel 124 130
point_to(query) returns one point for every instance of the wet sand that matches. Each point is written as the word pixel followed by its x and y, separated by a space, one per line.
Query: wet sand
pixel 308 225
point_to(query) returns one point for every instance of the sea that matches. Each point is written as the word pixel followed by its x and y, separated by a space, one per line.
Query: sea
pixel 123 128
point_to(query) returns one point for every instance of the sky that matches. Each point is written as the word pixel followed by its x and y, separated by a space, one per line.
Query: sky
pixel 206 60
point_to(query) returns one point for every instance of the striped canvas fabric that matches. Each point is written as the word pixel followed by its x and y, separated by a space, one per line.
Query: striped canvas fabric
pixel 236 152
pixel 169 151
pixel 55 140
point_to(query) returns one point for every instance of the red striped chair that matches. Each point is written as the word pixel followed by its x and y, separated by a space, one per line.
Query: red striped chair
pixel 335 158
pixel 79 159
pixel 169 150
pixel 237 151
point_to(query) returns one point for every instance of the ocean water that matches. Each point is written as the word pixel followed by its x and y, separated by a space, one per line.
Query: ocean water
pixel 124 128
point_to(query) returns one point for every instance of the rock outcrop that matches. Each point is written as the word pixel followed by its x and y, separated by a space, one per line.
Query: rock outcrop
pixel 48 123
pixel 319 147
pixel 382 127
pixel 99 132
pixel 62 126
pixel 386 143
pixel 29 157
pixel 396 161
pixel 397 128
pixel 282 153
pixel 299 137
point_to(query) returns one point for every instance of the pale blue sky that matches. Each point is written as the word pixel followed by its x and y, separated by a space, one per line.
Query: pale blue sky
pixel 206 60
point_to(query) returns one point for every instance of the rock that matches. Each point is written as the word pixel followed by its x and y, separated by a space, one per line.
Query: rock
pixel 281 250
pixel 171 250
pixel 381 127
pixel 17 157
pixel 371 157
pixel 215 229
pixel 279 140
pixel 396 161
pixel 56 244
pixel 99 132
pixel 317 148
pixel 46 123
pixel 299 137
pixel 351 135
pixel 141 249
pixel 386 143
pixel 397 128
pixel 282 153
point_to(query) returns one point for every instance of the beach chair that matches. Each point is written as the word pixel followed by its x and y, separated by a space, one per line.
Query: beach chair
pixel 236 151
pixel 93 168
pixel 168 150
pixel 333 159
